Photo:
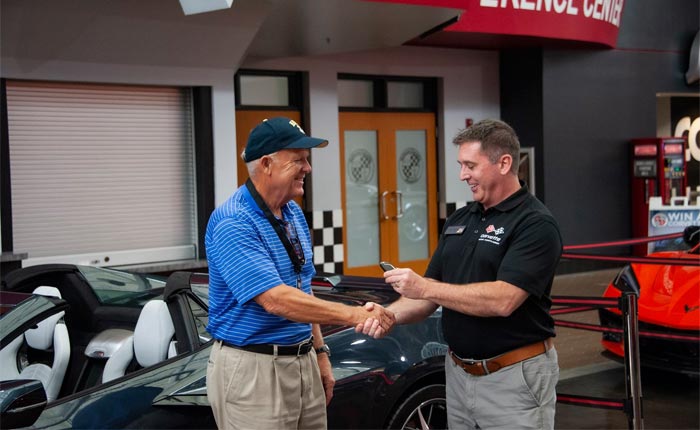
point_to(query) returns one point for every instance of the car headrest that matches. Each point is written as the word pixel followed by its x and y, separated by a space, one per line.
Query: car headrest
pixel 41 337
pixel 47 291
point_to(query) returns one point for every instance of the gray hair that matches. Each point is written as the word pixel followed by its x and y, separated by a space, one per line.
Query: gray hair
pixel 252 166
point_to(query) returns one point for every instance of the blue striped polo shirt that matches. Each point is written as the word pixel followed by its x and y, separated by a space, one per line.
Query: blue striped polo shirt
pixel 247 258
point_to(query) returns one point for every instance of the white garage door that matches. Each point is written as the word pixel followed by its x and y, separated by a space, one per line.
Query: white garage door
pixel 101 174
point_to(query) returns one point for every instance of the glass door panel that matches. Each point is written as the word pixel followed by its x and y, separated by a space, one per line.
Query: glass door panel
pixel 361 198
pixel 412 194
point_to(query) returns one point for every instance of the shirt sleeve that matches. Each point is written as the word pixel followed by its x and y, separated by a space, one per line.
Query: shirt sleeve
pixel 244 259
pixel 532 257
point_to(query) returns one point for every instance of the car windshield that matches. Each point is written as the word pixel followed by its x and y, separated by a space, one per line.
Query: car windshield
pixel 199 283
pixel 18 309
pixel 113 287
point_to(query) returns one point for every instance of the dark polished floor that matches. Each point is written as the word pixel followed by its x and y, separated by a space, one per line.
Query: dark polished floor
pixel 670 401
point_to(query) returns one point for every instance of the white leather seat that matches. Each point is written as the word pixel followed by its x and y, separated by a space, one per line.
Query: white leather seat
pixel 151 343
pixel 153 334
pixel 49 334
pixel 8 359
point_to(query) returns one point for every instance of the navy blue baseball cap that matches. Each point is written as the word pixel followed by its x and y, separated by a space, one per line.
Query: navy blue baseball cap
pixel 275 134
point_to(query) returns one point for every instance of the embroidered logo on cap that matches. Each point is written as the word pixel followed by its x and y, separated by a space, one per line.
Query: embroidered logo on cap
pixel 294 124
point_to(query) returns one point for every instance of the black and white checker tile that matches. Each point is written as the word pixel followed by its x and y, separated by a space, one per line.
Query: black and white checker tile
pixel 327 238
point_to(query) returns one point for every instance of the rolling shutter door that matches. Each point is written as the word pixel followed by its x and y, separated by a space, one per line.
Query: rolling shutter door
pixel 101 174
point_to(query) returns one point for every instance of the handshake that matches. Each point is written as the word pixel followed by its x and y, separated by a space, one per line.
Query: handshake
pixel 376 320
pixel 379 320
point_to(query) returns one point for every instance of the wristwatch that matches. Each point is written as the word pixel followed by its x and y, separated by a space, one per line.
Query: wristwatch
pixel 323 349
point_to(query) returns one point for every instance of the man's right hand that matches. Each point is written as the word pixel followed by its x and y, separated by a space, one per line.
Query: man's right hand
pixel 379 323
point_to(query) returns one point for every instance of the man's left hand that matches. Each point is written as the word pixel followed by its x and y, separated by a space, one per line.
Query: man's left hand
pixel 406 282
pixel 324 365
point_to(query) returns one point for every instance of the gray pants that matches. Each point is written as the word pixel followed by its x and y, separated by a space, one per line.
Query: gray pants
pixel 520 396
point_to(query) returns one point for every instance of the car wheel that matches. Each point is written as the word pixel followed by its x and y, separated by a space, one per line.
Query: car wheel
pixel 424 409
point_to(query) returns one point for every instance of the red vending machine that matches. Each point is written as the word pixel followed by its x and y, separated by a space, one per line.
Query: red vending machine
pixel 658 169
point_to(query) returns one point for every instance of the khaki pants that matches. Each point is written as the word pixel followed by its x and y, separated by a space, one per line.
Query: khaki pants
pixel 520 396
pixel 247 390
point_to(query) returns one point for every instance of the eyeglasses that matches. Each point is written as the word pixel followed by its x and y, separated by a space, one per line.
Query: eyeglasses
pixel 291 232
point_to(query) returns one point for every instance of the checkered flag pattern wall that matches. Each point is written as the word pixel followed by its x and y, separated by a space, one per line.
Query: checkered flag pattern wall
pixel 327 238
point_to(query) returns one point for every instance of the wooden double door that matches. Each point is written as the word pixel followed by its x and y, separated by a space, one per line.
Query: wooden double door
pixel 389 190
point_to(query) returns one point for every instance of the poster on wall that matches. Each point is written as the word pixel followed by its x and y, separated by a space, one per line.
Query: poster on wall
pixel 685 120
pixel 673 218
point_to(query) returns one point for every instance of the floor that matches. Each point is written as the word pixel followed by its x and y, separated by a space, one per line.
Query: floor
pixel 670 401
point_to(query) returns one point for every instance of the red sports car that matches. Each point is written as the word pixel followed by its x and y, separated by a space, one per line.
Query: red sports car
pixel 669 311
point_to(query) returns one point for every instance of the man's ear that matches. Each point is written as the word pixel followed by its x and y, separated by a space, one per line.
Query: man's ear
pixel 265 162
pixel 505 163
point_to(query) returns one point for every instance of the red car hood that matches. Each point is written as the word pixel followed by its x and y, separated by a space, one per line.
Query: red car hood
pixel 669 294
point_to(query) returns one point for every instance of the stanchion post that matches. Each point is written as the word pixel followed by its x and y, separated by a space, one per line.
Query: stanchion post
pixel 633 382
pixel 627 283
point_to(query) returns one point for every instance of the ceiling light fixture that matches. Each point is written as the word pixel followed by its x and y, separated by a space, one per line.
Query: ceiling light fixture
pixel 191 7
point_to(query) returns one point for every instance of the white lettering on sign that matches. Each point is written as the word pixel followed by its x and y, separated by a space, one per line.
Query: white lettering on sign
pixel 547 5
pixel 693 128
pixel 527 4
pixel 603 10
pixel 559 6
pixel 609 11
pixel 679 219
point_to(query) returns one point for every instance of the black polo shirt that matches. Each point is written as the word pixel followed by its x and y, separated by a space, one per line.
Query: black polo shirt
pixel 516 241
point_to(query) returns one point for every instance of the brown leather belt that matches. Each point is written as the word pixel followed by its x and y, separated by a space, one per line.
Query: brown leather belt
pixel 490 365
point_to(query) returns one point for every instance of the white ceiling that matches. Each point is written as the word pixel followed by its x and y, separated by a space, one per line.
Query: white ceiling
pixel 157 32
pixel 311 27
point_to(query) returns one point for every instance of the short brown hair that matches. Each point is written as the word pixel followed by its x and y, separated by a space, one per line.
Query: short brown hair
pixel 496 138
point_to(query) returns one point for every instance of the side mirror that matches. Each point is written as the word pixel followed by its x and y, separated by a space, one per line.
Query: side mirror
pixel 626 281
pixel 21 402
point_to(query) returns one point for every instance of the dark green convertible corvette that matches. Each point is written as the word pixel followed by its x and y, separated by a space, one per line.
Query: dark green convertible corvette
pixel 125 350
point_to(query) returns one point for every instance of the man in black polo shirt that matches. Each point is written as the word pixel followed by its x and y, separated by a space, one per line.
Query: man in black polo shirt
pixel 492 273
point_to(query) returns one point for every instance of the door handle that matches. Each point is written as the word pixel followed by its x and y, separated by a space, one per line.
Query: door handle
pixel 382 203
pixel 399 204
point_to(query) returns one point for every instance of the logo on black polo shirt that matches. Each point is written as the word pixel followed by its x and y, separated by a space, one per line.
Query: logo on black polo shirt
pixel 492 234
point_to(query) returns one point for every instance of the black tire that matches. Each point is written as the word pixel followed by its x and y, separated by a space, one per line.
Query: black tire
pixel 422 410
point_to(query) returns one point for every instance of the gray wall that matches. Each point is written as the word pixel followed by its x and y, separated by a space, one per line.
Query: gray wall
pixel 592 102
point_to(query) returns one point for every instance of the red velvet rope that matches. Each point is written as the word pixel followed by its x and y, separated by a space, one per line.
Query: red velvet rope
pixel 630 259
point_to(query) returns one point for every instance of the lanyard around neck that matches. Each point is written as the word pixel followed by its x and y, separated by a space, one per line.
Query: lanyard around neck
pixel 296 260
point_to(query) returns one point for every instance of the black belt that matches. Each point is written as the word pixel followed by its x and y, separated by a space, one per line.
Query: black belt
pixel 270 349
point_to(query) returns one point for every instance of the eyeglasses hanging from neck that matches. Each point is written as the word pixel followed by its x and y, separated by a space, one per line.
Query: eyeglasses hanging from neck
pixel 291 232
pixel 285 230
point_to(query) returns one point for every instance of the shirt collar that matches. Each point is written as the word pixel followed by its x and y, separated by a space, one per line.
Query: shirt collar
pixel 286 212
pixel 509 203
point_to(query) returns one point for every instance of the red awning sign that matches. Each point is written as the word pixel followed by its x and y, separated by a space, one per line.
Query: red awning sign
pixel 596 21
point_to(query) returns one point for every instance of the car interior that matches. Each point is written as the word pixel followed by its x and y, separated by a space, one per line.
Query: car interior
pixel 50 339
pixel 94 342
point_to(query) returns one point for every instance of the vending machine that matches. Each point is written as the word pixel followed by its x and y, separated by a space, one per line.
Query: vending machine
pixel 658 170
